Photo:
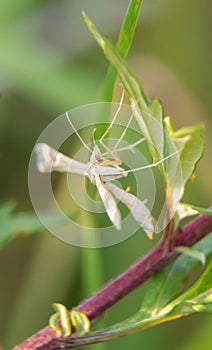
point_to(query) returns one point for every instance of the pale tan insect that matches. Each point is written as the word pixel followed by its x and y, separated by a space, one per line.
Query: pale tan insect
pixel 101 171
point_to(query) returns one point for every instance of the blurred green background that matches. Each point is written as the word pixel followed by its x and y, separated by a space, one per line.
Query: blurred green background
pixel 49 63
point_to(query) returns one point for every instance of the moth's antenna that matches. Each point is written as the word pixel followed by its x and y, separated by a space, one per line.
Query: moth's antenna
pixel 76 132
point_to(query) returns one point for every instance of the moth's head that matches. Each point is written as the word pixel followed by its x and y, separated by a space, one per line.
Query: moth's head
pixel 96 154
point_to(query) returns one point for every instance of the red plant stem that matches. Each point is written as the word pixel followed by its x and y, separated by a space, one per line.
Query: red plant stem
pixel 120 286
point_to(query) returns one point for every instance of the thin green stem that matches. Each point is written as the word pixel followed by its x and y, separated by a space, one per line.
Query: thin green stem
pixel 123 45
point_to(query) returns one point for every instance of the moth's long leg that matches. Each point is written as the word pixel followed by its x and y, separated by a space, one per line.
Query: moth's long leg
pixel 137 208
pixel 115 150
pixel 76 132
pixel 48 160
pixel 117 160
pixel 153 165
pixel 109 203
pixel 123 133
pixel 130 147
pixel 114 118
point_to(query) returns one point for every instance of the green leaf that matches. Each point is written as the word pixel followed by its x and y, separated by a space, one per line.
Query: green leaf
pixel 150 121
pixel 193 253
pixel 12 223
pixel 169 283
pixel 198 298
pixel 128 27
pixel 193 141
pixel 123 45
pixel 190 142
pixel 131 84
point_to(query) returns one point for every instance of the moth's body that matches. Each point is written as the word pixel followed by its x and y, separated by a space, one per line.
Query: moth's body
pixel 107 169
pixel 48 160
pixel 101 171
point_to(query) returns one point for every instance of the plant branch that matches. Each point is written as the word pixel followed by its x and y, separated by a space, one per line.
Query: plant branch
pixel 123 284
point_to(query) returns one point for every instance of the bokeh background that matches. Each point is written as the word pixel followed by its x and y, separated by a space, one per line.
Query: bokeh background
pixel 49 63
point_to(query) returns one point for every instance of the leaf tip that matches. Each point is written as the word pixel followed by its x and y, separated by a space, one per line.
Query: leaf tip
pixel 87 19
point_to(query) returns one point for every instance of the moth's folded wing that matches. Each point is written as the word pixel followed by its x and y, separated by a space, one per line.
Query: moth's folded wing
pixel 109 204
pixel 138 209
pixel 48 160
